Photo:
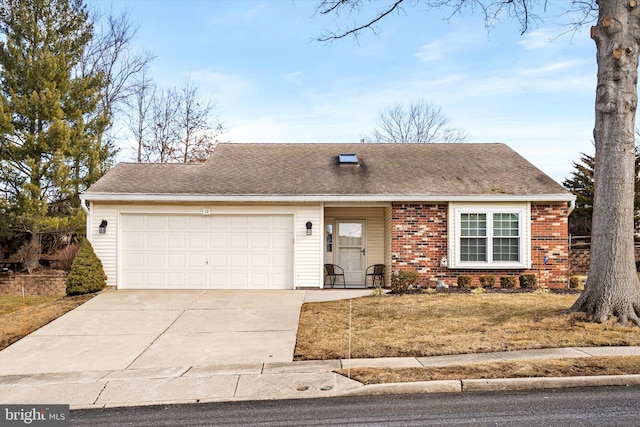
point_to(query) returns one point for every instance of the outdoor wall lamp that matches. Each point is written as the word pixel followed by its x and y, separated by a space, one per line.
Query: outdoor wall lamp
pixel 309 226
pixel 102 228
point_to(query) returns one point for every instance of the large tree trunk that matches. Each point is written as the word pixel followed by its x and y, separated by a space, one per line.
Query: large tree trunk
pixel 612 288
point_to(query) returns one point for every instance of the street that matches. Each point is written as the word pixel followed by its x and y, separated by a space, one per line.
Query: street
pixel 618 406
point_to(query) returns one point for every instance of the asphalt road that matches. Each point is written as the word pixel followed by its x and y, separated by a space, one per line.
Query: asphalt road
pixel 619 406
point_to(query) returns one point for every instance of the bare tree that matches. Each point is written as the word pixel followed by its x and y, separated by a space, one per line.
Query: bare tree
pixel 198 128
pixel 164 134
pixel 137 117
pixel 111 56
pixel 182 126
pixel 418 122
pixel 612 288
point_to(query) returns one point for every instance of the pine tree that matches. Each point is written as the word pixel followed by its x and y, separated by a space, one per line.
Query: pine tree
pixel 46 111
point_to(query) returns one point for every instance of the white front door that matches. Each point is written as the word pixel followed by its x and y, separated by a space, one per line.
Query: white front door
pixel 351 250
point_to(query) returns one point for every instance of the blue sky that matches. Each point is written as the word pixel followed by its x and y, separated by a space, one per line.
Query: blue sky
pixel 273 83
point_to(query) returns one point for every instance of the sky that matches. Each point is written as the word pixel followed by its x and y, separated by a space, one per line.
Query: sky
pixel 259 61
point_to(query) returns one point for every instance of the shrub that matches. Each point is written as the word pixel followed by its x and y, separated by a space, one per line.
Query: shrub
pixel 464 282
pixel 638 266
pixel 508 282
pixel 488 281
pixel 66 256
pixel 528 281
pixel 574 282
pixel 86 275
pixel 404 280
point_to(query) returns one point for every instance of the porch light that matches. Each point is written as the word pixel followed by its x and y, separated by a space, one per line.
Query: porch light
pixel 103 227
pixel 309 226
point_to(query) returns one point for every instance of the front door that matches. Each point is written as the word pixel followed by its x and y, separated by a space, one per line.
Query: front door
pixel 351 252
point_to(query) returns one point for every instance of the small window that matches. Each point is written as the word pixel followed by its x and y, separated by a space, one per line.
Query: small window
pixel 348 158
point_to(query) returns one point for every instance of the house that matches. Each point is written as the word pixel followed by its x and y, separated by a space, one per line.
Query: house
pixel 269 216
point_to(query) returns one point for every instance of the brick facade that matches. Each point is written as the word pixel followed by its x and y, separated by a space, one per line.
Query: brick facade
pixel 419 242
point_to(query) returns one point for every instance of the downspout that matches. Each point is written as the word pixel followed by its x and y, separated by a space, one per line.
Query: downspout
pixel 86 210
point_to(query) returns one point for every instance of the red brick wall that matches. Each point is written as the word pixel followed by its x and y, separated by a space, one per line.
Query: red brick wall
pixel 419 241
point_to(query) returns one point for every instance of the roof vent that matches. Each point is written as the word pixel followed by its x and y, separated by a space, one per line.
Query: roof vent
pixel 348 159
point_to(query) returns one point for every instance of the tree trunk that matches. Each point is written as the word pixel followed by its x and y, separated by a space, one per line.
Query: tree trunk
pixel 612 288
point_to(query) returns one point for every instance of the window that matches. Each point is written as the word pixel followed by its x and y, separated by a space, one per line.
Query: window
pixel 489 238
pixel 348 158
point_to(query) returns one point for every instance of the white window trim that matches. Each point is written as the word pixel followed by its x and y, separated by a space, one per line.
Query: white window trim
pixel 522 209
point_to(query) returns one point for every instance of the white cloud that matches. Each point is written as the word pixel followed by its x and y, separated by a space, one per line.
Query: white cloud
pixel 293 78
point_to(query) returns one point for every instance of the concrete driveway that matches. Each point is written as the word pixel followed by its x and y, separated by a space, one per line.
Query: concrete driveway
pixel 132 330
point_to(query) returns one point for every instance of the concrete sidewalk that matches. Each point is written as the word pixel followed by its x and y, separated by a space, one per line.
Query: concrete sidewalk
pixel 264 381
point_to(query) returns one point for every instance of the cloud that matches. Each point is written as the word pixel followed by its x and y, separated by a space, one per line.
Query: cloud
pixel 445 47
pixel 538 39
pixel 293 78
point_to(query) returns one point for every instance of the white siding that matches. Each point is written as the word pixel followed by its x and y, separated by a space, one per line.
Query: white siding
pixel 307 249
pixel 375 227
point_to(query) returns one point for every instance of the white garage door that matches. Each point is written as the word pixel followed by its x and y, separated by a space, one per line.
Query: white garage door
pixel 207 252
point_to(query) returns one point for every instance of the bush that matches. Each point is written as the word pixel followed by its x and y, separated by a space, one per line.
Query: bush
pixel 574 282
pixel 464 282
pixel 404 280
pixel 528 281
pixel 508 282
pixel 638 266
pixel 66 256
pixel 86 275
pixel 488 281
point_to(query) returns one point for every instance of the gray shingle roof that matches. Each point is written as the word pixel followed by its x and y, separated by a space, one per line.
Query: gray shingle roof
pixel 313 170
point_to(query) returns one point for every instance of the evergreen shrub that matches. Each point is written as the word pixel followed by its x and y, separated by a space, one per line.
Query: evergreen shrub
pixel 86 275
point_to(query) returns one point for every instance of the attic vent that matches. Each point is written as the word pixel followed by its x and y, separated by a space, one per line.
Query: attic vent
pixel 348 158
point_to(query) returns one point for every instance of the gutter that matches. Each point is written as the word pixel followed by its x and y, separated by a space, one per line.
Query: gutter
pixel 275 198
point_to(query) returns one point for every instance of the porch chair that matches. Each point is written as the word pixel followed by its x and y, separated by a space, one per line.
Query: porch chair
pixel 376 272
pixel 332 273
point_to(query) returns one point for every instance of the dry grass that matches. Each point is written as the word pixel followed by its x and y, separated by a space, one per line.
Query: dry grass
pixel 440 324
pixel 18 321
pixel 587 366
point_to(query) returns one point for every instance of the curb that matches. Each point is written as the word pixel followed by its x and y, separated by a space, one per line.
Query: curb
pixel 498 384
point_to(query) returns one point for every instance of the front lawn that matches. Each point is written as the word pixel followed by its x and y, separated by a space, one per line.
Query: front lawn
pixel 20 318
pixel 441 324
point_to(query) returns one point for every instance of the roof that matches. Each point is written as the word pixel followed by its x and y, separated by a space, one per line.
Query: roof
pixel 385 172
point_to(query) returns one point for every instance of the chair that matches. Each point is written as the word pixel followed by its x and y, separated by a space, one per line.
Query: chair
pixel 376 272
pixel 333 272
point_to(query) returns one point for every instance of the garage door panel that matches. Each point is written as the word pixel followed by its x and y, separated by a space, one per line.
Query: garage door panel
pixel 207 252
pixel 240 242
pixel 238 223
pixel 237 261
pixel 155 260
pixel 176 280
pixel 259 241
pixel 176 260
pixel 177 222
pixel 155 241
pixel 198 241
pixel 155 223
pixel 259 261
pixel 239 280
